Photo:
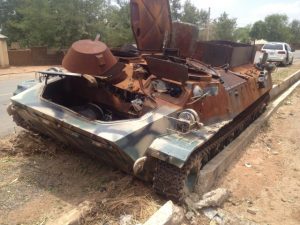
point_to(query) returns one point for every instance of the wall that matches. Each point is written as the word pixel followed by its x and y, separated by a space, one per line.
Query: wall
pixel 296 46
pixel 4 62
pixel 36 56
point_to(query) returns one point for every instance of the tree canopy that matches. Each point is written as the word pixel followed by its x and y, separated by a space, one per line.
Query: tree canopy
pixel 224 27
pixel 277 29
pixel 175 6
pixel 295 31
pixel 57 23
pixel 258 30
pixel 191 14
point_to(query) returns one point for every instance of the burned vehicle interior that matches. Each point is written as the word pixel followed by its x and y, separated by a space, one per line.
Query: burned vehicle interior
pixel 128 90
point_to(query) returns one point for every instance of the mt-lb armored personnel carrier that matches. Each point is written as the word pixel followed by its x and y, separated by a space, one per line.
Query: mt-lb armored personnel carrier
pixel 160 112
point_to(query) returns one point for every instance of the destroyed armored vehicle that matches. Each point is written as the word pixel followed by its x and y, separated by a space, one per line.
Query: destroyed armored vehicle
pixel 160 114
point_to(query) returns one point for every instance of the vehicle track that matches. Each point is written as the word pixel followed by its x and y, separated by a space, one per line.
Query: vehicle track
pixel 175 183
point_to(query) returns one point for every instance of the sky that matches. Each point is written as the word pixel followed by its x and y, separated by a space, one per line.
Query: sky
pixel 248 12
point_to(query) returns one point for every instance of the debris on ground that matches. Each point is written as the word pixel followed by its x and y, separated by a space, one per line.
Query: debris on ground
pixel 190 215
pixel 168 214
pixel 126 220
pixel 222 217
pixel 213 198
pixel 76 216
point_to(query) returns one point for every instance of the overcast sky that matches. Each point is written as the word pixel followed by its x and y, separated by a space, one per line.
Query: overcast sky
pixel 248 12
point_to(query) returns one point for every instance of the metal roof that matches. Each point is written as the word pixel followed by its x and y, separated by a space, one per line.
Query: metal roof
pixel 2 36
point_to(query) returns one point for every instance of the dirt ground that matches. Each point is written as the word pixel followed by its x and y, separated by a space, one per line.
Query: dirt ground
pixel 41 180
pixel 265 181
pixel 23 69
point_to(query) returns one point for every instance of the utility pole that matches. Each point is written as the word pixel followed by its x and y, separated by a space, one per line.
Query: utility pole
pixel 208 26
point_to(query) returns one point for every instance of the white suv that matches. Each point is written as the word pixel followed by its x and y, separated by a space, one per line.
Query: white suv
pixel 279 52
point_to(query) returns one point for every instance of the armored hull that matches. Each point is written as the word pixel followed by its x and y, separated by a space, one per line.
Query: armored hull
pixel 160 116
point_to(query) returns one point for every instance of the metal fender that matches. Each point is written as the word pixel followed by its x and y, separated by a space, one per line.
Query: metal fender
pixel 175 148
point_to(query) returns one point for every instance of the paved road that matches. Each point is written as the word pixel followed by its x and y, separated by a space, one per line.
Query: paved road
pixel 297 54
pixel 8 84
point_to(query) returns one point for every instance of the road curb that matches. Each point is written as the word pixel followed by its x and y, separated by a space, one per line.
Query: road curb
pixel 283 86
pixel 215 168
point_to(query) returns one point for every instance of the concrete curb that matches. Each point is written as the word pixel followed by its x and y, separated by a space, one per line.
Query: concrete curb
pixel 283 86
pixel 216 167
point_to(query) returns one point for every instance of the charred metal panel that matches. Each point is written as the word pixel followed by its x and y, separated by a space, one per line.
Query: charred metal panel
pixel 231 80
pixel 216 55
pixel 151 23
pixel 219 53
pixel 167 69
pixel 242 55
pixel 184 37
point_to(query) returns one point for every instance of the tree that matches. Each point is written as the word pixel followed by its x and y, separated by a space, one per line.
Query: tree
pixel 277 28
pixel 258 30
pixel 224 27
pixel 193 15
pixel 8 10
pixel 118 27
pixel 295 31
pixel 242 34
pixel 57 23
pixel 175 6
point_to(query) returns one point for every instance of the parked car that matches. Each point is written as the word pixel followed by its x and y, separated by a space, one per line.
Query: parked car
pixel 279 52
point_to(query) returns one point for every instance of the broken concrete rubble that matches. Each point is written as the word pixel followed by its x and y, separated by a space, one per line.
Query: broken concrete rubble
pixel 75 216
pixel 214 198
pixel 189 215
pixel 168 214
pixel 126 220
pixel 222 217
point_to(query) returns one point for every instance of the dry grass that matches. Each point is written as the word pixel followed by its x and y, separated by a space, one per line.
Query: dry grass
pixel 113 193
pixel 27 143
pixel 125 197
pixel 282 73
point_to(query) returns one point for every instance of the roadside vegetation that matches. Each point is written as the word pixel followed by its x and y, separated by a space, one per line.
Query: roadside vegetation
pixel 282 73
pixel 57 24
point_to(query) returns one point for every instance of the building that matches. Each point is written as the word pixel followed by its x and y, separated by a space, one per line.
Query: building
pixel 4 61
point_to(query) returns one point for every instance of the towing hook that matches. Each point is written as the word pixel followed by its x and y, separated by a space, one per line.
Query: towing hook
pixel 10 109
pixel 138 166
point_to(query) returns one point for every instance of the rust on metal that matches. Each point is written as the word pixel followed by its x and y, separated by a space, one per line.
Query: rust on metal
pixel 151 24
pixel 184 37
pixel 167 69
pixel 89 57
